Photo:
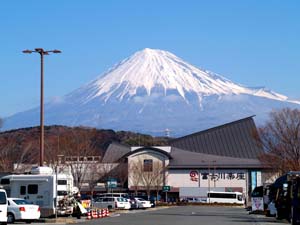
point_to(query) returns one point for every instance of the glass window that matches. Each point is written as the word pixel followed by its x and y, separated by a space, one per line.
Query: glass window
pixel 3 200
pixel 96 158
pixel 21 202
pixel 33 189
pixel 62 193
pixel 222 195
pixel 240 198
pixel 5 181
pixel 62 182
pixel 81 158
pixel 23 190
pixel 148 164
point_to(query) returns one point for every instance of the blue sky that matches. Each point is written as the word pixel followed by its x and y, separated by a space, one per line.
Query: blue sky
pixel 254 43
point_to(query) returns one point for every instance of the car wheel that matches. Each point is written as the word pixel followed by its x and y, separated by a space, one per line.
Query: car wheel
pixel 28 221
pixel 10 218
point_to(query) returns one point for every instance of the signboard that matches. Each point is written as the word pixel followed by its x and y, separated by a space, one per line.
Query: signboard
pixel 194 175
pixel 257 203
pixel 112 183
pixel 166 188
pixel 86 203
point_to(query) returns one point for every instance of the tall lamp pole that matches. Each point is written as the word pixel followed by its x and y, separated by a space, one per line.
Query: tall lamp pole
pixel 42 52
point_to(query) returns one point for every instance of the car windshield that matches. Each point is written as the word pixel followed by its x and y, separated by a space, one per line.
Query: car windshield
pixel 2 198
pixel 121 200
pixel 21 202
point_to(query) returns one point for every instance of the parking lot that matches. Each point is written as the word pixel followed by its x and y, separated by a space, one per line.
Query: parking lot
pixel 178 215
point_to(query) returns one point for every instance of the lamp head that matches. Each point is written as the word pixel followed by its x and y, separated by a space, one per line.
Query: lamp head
pixel 56 51
pixel 27 51
pixel 39 50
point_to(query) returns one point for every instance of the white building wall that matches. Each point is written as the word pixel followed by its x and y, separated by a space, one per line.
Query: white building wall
pixel 199 178
pixel 139 157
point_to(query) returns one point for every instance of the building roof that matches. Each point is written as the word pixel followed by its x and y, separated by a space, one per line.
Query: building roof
pixel 233 139
pixel 187 159
pixel 155 149
pixel 114 152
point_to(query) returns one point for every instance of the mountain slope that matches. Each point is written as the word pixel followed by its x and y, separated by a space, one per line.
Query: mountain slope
pixel 154 90
pixel 149 70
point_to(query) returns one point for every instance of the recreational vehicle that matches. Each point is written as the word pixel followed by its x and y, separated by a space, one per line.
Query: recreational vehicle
pixel 3 207
pixel 41 188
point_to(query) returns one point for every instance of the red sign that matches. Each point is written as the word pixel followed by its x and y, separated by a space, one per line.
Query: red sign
pixel 194 175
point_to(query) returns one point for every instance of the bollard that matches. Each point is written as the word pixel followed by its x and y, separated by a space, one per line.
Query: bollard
pixel 107 212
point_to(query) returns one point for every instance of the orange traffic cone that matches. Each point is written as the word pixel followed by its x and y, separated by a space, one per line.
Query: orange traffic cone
pixel 89 216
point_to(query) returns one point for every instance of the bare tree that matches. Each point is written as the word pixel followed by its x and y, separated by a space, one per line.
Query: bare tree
pixel 280 139
pixel 135 175
pixel 118 171
pixel 78 148
pixel 12 156
pixel 121 173
pixel 159 171
pixel 148 177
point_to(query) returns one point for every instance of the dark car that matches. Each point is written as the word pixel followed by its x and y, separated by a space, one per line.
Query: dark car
pixel 133 203
pixel 152 200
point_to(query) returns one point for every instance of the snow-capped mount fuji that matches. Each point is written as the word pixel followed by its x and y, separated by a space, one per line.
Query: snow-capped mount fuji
pixel 151 70
pixel 154 90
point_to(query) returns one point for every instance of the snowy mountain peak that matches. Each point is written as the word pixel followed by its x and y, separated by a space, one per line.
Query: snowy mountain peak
pixel 151 70
pixel 153 90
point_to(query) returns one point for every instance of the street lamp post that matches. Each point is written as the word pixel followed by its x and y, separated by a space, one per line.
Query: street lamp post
pixel 42 52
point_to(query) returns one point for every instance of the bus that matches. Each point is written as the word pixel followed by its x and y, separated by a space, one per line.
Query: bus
pixel 122 195
pixel 225 197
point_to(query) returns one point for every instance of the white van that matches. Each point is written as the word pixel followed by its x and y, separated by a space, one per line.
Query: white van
pixel 112 203
pixel 3 207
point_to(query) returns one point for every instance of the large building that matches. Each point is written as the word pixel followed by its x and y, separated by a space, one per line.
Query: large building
pixel 223 158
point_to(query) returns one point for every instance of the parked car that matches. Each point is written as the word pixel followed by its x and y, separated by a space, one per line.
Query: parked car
pixel 111 203
pixel 19 209
pixel 142 203
pixel 133 203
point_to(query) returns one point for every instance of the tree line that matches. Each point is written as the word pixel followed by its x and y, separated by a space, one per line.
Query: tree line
pixel 279 138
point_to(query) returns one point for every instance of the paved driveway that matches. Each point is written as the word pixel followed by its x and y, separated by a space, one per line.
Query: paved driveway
pixel 187 215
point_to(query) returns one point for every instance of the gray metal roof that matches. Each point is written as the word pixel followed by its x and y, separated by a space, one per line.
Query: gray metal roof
pixel 233 139
pixel 148 148
pixel 114 152
pixel 187 159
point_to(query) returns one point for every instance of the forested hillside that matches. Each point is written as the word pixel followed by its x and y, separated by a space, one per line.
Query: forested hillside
pixel 22 145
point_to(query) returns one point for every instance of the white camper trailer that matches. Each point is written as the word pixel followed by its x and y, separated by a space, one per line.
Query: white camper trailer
pixel 3 207
pixel 40 187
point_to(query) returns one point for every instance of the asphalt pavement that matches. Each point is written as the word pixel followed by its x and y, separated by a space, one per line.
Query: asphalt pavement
pixel 178 215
